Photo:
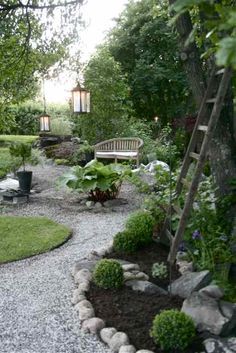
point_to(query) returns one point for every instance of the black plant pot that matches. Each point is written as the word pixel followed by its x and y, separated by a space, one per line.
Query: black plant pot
pixel 25 179
pixel 89 156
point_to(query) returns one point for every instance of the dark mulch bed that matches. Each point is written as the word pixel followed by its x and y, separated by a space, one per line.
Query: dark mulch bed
pixel 133 312
pixel 146 258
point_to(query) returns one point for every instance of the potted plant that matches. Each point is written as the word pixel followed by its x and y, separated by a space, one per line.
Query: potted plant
pixel 23 152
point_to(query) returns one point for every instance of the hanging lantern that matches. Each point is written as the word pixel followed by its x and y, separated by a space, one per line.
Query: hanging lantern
pixel 44 121
pixel 80 100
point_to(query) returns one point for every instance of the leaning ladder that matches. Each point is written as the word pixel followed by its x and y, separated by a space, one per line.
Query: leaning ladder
pixel 206 113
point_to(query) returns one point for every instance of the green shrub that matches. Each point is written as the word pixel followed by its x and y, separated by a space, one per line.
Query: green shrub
pixel 61 127
pixel 125 242
pixel 173 329
pixel 108 274
pixel 141 224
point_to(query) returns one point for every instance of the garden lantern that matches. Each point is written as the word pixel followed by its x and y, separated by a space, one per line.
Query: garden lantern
pixel 156 118
pixel 44 121
pixel 80 100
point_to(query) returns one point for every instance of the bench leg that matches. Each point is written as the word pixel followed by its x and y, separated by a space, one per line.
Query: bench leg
pixel 115 159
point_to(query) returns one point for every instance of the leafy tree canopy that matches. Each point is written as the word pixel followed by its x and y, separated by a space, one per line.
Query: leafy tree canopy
pixel 110 99
pixel 146 47
pixel 34 36
pixel 218 35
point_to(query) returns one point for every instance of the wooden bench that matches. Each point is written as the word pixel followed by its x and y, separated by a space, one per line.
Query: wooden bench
pixel 119 148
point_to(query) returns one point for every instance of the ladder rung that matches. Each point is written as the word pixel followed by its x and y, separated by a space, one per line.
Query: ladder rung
pixel 177 209
pixel 194 155
pixel 212 100
pixel 220 72
pixel 202 127
pixel 186 183
pixel 169 235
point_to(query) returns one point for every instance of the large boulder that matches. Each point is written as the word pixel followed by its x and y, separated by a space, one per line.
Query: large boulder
pixel 208 315
pixel 190 282
pixel 213 291
pixel 226 345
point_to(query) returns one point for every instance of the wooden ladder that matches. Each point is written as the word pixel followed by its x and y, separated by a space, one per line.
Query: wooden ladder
pixel 209 111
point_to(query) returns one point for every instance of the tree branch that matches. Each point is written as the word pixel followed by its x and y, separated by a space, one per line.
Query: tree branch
pixel 5 7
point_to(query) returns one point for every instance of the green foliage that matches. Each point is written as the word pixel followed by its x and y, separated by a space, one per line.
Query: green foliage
pixel 165 148
pixel 25 117
pixel 217 34
pixel 35 36
pixel 108 274
pixel 22 237
pixel 141 224
pixel 102 182
pixel 83 152
pixel 7 164
pixel 62 161
pixel 110 105
pixel 5 139
pixel 207 235
pixel 173 330
pixel 60 127
pixel 153 205
pixel 143 130
pixel 21 150
pixel 159 270
pixel 125 242
pixel 147 49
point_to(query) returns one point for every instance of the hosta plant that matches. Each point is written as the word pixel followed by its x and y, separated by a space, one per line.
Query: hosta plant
pixel 102 182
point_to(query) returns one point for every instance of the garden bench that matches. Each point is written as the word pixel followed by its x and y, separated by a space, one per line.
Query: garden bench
pixel 119 148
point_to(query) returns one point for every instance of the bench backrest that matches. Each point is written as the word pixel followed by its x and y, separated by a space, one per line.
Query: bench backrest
pixel 119 144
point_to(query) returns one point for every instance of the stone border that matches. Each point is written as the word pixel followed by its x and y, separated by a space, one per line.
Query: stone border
pixel 117 341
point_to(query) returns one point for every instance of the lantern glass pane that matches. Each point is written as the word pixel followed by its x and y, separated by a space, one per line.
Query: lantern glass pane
pixel 76 101
pixel 83 101
pixel 44 123
pixel 88 102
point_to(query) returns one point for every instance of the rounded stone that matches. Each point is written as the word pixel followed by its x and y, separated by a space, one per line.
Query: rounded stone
pixel 130 267
pixel 83 275
pixel 107 333
pixel 142 276
pixel 127 349
pixel 84 286
pixel 77 297
pixel 128 276
pixel 84 304
pixel 144 351
pixel 93 325
pixel 118 339
pixel 213 291
pixel 86 313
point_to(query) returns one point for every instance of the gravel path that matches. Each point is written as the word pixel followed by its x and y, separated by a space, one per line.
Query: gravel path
pixel 36 315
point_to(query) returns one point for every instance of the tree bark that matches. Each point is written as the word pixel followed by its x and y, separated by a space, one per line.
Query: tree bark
pixel 222 152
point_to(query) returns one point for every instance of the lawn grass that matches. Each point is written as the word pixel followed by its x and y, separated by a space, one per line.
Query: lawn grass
pixel 22 237
pixel 17 138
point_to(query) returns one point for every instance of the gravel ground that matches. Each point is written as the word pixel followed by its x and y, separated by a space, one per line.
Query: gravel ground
pixel 36 315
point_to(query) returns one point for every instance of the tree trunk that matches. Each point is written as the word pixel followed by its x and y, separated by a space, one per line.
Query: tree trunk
pixel 222 150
